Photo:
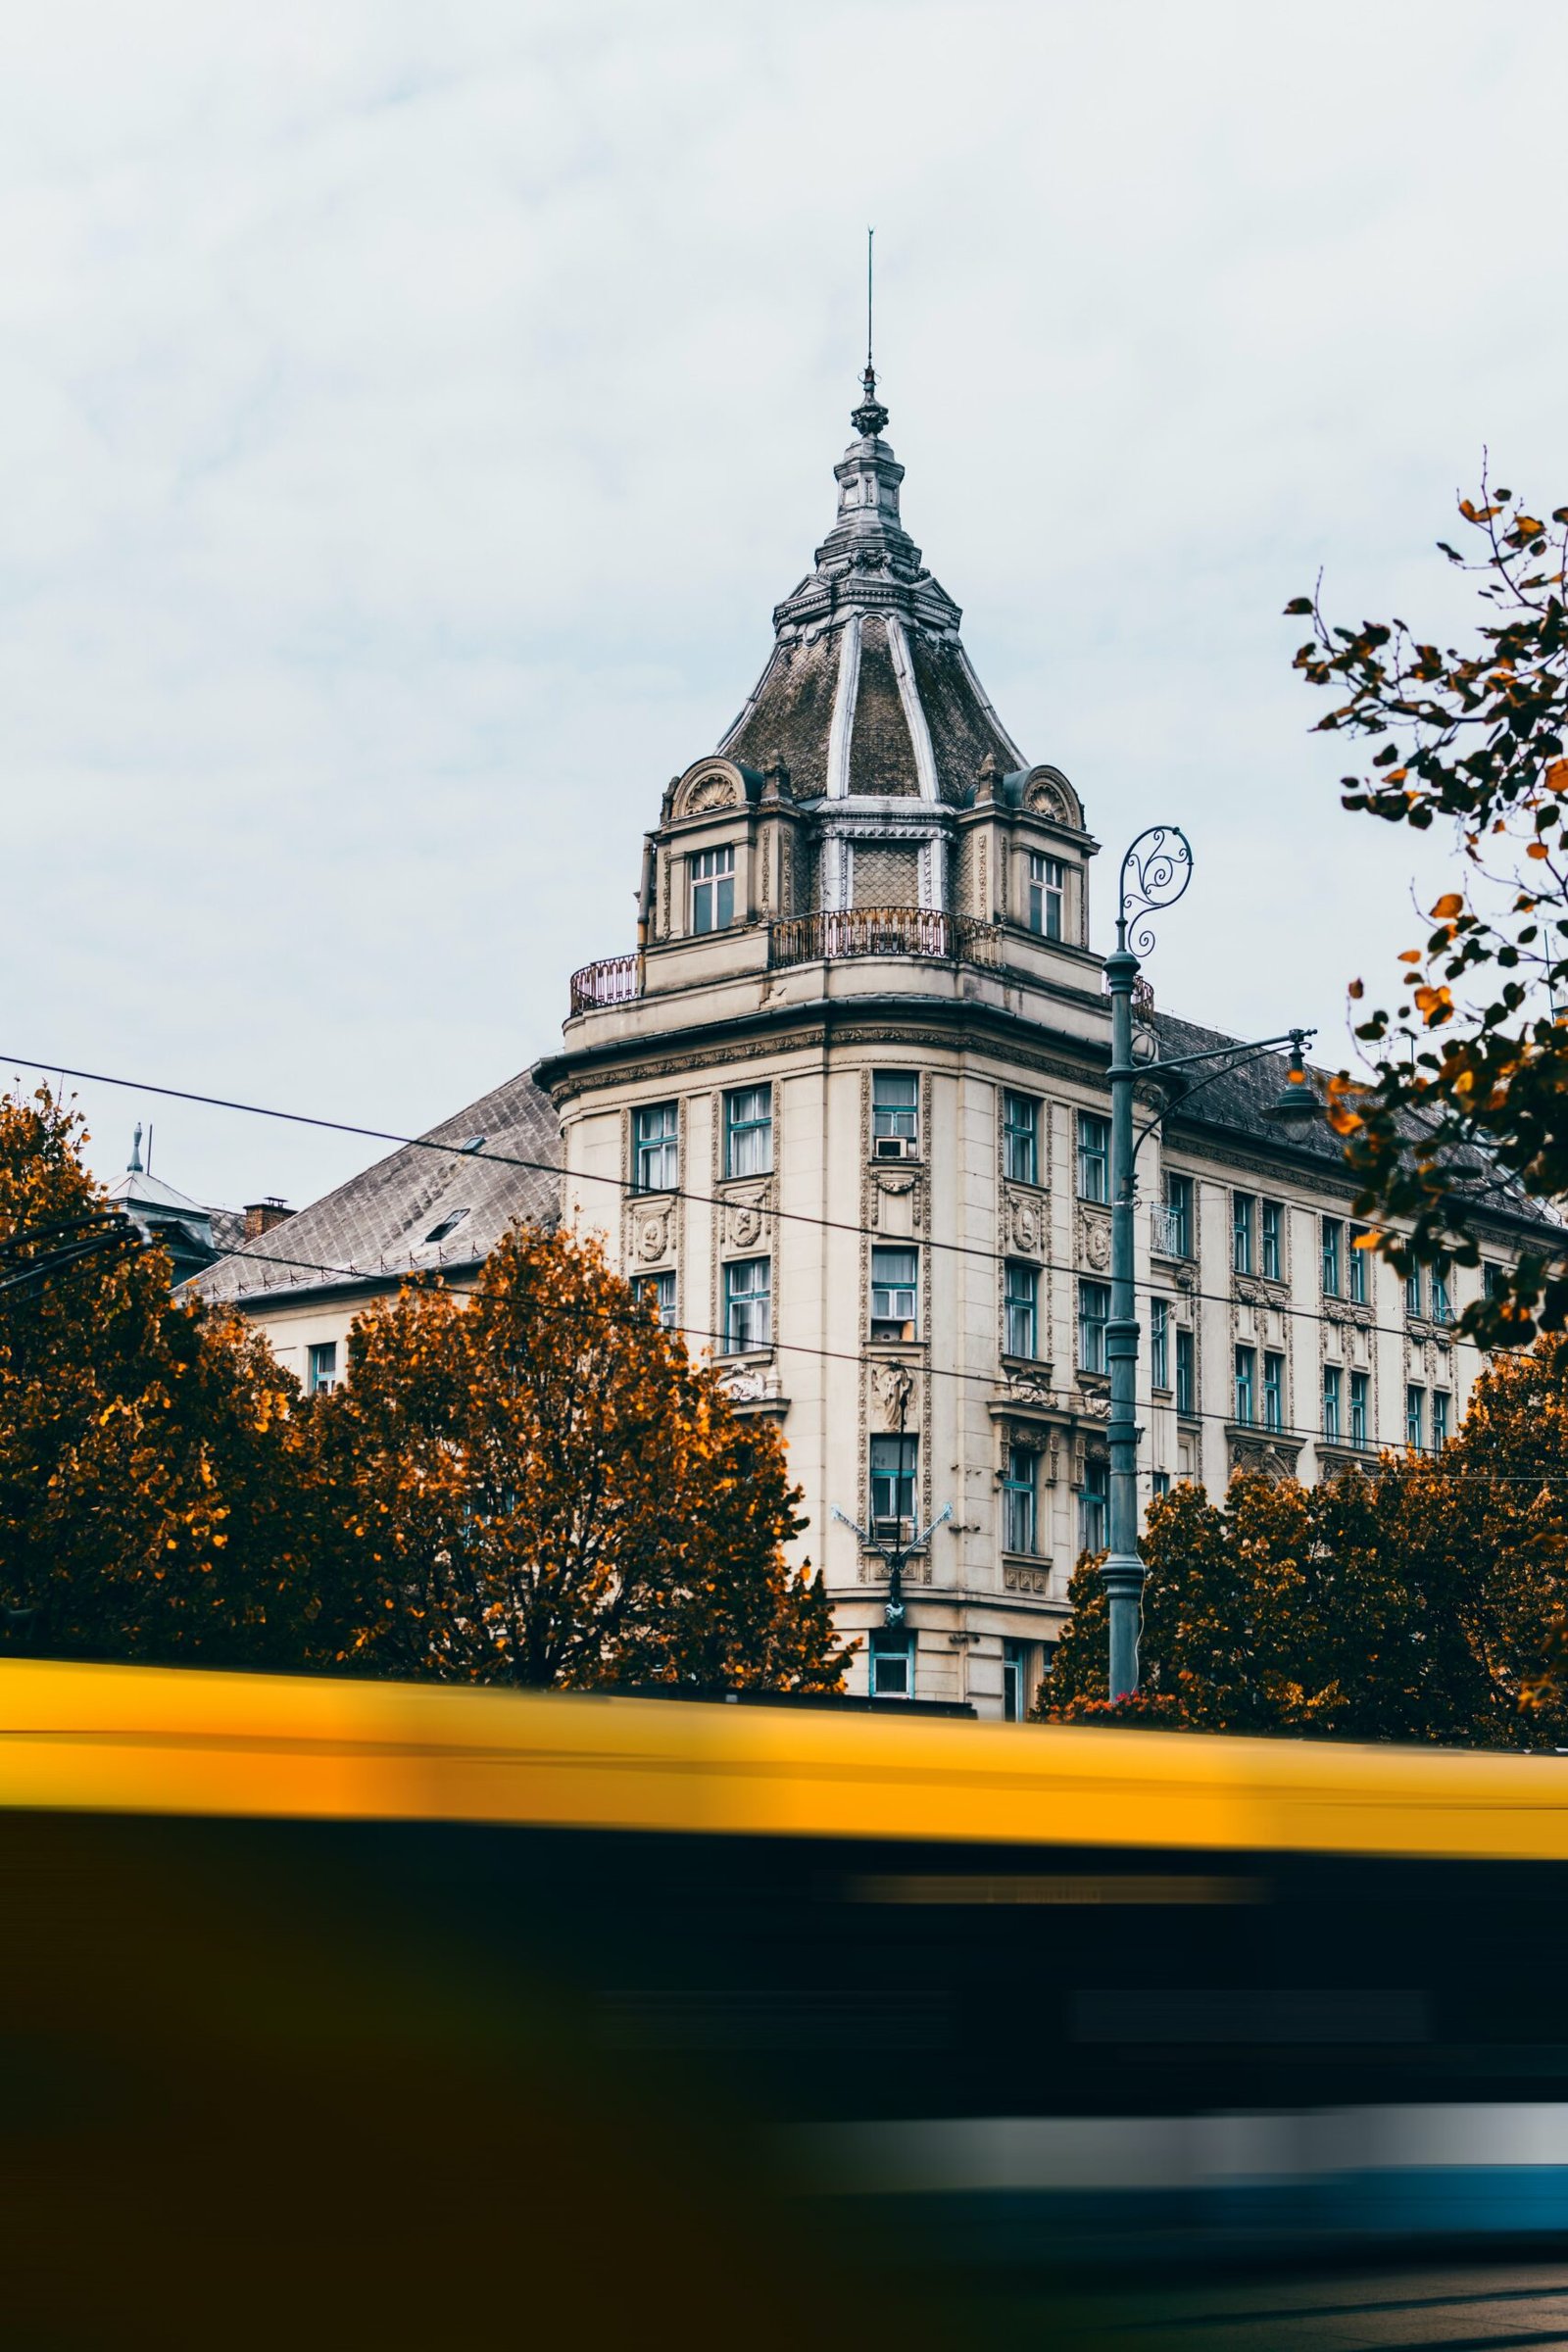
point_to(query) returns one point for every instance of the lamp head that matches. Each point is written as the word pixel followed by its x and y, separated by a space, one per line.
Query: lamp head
pixel 1296 1105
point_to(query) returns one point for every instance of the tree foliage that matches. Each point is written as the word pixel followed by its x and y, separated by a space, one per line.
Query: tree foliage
pixel 153 1477
pixel 538 1485
pixel 1469 1072
pixel 1424 1600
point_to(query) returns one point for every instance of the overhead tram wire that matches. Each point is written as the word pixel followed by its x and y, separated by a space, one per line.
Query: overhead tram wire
pixel 625 1185
pixel 844 1355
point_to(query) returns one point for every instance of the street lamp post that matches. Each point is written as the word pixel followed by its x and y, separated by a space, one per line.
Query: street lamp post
pixel 1155 872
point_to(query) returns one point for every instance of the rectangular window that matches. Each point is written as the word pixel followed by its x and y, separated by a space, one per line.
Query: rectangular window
pixel 1244 1222
pixel 1047 884
pixel 1021 1303
pixel 1246 1384
pixel 1018 1512
pixel 1493 1281
pixel 1094 1313
pixel 1020 1138
pixel 1273 1392
pixel 1360 1407
pixel 748 1131
pixel 1273 1240
pixel 1415 1418
pixel 1015 1691
pixel 1412 1291
pixel 1158 1485
pixel 658 1291
pixel 1333 1248
pixel 1093 1504
pixel 320 1366
pixel 1186 1372
pixel 1441 1404
pixel 893 1467
pixel 892 1664
pixel 1333 1388
pixel 1358 1266
pixel 712 890
pixel 1094 1157
pixel 895 1280
pixel 1159 1343
pixel 1178 1233
pixel 656 1134
pixel 747 1304
pixel 1441 1307
pixel 896 1105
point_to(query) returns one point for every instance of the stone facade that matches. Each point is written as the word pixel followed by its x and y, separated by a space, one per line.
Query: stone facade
pixel 844 1103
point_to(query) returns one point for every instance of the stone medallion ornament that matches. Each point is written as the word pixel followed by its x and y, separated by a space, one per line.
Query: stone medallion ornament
pixel 652 1237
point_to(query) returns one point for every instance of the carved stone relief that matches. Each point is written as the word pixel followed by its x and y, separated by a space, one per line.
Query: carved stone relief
pixel 1094 1239
pixel 712 792
pixel 894 1388
pixel 1025 1224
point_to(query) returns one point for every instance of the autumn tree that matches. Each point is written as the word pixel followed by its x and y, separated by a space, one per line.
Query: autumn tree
pixel 1420 1600
pixel 538 1485
pixel 153 1502
pixel 1468 1087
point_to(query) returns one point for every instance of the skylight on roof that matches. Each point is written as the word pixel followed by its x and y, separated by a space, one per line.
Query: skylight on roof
pixel 476 1143
pixel 448 1224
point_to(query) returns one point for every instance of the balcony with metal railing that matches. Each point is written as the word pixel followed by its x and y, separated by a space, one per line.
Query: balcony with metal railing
pixel 825 937
pixel 883 931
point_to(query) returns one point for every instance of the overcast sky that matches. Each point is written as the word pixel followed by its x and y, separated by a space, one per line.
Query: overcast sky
pixel 408 415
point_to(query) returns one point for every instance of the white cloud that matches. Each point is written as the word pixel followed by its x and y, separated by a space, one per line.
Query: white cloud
pixel 408 419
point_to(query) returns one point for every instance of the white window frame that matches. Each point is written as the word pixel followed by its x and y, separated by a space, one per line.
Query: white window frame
pixel 891 1286
pixel 1046 899
pixel 655 1156
pixel 712 890
pixel 748 1306
pixel 752 1134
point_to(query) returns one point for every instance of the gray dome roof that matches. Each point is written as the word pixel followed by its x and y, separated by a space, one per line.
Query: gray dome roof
pixel 869 692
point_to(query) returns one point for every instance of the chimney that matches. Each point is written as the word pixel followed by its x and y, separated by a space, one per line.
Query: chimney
pixel 262 1215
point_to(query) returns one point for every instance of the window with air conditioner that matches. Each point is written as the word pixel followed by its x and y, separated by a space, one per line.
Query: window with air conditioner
pixel 895 1113
pixel 895 1285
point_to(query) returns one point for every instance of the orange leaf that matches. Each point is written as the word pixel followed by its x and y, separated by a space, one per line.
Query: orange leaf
pixel 1449 905
pixel 1536 849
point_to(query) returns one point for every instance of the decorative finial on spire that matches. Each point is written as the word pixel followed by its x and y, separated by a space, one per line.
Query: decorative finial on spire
pixel 870 416
pixel 133 1166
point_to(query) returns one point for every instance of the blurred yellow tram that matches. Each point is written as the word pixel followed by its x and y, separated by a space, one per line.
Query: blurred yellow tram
pixel 360 2012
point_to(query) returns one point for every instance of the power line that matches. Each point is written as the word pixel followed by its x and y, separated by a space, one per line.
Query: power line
pixel 692 1331
pixel 628 1188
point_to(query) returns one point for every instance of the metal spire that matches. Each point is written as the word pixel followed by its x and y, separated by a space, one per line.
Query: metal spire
pixel 870 416
pixel 133 1166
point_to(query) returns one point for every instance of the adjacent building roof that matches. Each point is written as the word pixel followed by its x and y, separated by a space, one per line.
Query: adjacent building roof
pixel 439 1204
pixel 869 692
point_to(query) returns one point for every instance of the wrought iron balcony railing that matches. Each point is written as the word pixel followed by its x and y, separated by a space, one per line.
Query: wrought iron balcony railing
pixel 884 931
pixel 813 938
pixel 611 981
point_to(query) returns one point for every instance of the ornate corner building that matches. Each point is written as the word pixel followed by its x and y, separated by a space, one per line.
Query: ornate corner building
pixel 842 1112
